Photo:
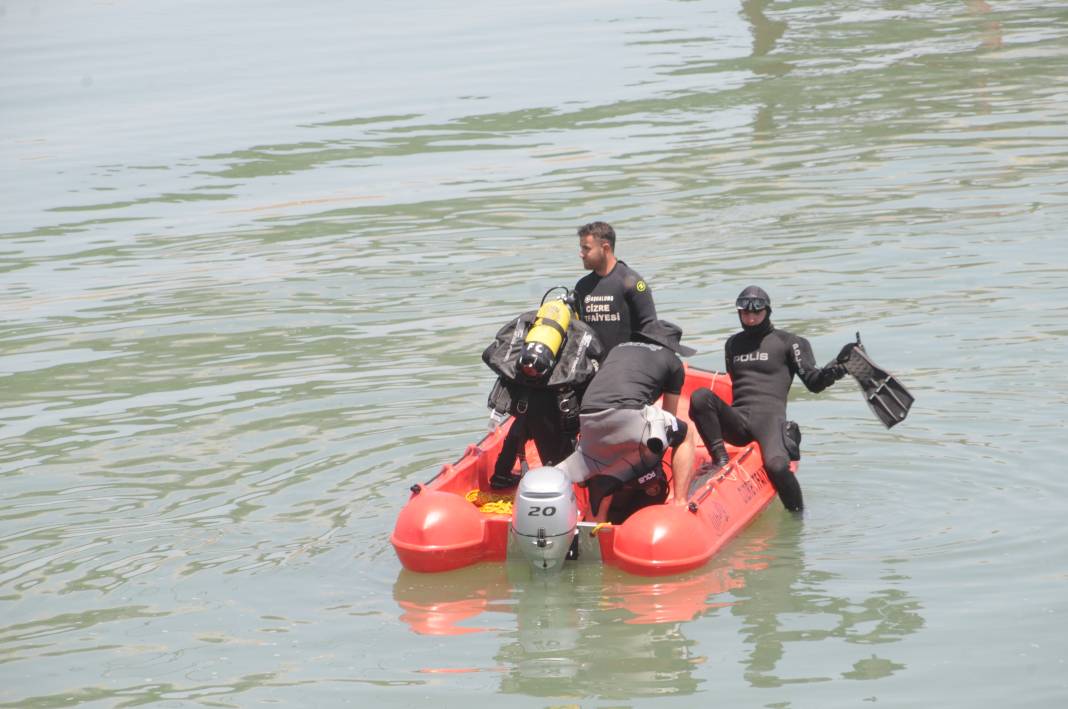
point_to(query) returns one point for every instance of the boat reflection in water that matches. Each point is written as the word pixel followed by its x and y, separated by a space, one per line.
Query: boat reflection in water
pixel 592 630
pixel 440 604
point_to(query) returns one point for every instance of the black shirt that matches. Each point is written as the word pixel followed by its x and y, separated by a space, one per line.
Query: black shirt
pixel 615 305
pixel 633 375
pixel 763 364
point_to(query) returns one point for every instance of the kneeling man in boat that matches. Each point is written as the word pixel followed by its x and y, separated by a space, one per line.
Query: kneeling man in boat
pixel 623 437
pixel 762 362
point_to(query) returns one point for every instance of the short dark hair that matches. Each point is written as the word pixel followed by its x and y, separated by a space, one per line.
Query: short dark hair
pixel 599 230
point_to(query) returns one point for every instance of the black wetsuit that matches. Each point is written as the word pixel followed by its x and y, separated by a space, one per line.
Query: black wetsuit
pixel 538 416
pixel 634 375
pixel 762 363
pixel 615 305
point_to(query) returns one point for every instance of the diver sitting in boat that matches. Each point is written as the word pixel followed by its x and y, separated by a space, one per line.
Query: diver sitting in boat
pixel 624 437
pixel 762 361
pixel 544 359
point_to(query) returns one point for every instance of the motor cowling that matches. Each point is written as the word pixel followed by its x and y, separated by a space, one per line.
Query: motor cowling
pixel 545 515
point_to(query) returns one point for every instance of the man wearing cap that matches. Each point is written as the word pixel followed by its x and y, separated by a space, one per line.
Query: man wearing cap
pixel 623 436
pixel 762 362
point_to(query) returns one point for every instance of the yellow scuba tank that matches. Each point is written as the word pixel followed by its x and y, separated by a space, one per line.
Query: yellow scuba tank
pixel 550 325
pixel 544 339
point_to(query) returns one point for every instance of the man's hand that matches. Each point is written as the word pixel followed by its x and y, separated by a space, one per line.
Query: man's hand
pixel 845 353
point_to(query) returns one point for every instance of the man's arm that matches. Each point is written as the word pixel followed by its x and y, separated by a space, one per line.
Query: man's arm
pixel 727 349
pixel 671 403
pixel 640 303
pixel 579 293
pixel 803 363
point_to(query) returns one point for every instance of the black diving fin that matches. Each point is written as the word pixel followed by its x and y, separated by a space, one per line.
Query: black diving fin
pixel 888 398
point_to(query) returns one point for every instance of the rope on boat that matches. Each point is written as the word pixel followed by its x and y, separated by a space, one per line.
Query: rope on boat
pixel 490 503
pixel 598 527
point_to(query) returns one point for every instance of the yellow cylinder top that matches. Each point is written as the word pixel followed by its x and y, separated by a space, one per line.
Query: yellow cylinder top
pixel 554 312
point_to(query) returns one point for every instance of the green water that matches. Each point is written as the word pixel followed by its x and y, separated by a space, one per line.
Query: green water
pixel 250 254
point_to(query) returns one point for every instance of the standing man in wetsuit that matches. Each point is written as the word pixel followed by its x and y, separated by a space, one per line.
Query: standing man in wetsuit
pixel 623 435
pixel 762 362
pixel 614 300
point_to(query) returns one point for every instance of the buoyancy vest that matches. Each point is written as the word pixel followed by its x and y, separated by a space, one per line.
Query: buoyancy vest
pixel 576 362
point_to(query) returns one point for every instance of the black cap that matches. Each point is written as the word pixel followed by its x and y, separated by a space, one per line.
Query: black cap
pixel 666 334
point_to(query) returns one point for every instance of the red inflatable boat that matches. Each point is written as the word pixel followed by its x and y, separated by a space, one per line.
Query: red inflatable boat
pixel 455 519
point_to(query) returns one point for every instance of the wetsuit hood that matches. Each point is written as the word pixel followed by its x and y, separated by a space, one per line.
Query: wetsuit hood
pixel 762 329
pixel 745 300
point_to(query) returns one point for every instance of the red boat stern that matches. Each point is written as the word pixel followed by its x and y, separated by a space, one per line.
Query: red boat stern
pixel 662 539
pixel 439 531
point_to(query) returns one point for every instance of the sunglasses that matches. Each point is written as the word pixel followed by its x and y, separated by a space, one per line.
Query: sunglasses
pixel 753 305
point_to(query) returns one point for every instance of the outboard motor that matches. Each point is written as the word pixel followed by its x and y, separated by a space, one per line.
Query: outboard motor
pixel 545 516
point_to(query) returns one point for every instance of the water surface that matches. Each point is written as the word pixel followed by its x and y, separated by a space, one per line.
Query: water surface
pixel 251 253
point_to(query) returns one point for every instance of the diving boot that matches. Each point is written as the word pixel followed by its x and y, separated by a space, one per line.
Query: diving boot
pixel 719 459
pixel 719 455
pixel 506 480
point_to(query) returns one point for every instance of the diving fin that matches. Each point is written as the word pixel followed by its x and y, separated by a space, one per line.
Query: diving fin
pixel 888 398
